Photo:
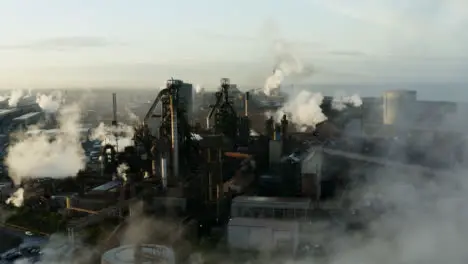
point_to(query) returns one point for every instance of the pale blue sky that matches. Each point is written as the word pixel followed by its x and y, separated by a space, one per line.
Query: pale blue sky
pixel 76 43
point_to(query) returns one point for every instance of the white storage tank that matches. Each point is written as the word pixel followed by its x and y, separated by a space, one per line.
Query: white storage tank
pixel 399 107
pixel 150 253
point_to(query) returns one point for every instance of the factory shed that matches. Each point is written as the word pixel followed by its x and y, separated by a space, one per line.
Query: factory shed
pixel 8 112
pixel 262 234
pixel 272 202
pixel 28 116
pixel 270 207
pixel 28 119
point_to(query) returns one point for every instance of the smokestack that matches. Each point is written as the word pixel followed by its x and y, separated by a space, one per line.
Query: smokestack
pixel 284 127
pixel 174 130
pixel 114 108
pixel 246 104
pixel 269 127
pixel 114 122
pixel 277 133
pixel 164 172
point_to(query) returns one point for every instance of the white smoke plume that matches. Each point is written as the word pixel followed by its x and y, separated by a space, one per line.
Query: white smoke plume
pixel 288 64
pixel 49 103
pixel 17 198
pixel 59 251
pixel 122 171
pixel 340 101
pixel 15 97
pixel 132 116
pixel 40 156
pixel 304 109
pixel 120 136
pixel 199 89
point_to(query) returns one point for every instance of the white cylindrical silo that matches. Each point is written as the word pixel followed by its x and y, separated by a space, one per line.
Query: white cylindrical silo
pixel 148 254
pixel 398 107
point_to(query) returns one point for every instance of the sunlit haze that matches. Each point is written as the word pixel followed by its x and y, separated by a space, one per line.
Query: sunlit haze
pixel 121 43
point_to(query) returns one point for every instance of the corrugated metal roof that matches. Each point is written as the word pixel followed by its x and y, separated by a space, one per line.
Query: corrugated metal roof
pixel 27 116
pixel 107 186
pixel 7 111
pixel 283 202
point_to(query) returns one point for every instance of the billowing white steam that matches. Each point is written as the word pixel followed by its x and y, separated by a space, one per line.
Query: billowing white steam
pixel 288 64
pixel 122 171
pixel 49 103
pixel 120 136
pixel 59 251
pixel 199 89
pixel 132 116
pixel 38 156
pixel 340 101
pixel 17 198
pixel 304 109
pixel 14 97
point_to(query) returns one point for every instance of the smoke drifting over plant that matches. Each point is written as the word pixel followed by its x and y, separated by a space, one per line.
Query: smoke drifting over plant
pixel 340 101
pixel 37 155
pixel 49 103
pixel 120 136
pixel 304 109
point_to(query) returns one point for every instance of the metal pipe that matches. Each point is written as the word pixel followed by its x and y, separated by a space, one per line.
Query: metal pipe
pixel 207 122
pixel 237 155
pixel 164 172
pixel 82 210
pixel 246 103
pixel 175 138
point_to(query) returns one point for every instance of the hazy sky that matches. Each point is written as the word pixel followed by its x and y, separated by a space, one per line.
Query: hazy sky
pixel 77 43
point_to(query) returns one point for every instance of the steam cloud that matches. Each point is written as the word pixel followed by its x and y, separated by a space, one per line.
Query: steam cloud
pixel 287 65
pixel 132 116
pixel 17 198
pixel 15 97
pixel 39 156
pixel 304 109
pixel 198 89
pixel 120 136
pixel 49 103
pixel 340 101
pixel 122 171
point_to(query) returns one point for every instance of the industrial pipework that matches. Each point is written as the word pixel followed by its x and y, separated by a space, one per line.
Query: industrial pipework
pixel 225 115
pixel 173 86
pixel 173 130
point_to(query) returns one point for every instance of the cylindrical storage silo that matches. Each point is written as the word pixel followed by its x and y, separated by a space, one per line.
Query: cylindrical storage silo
pixel 399 107
pixel 146 254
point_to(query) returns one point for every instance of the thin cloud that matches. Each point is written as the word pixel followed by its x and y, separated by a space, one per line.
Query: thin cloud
pixel 60 43
pixel 348 53
pixel 239 38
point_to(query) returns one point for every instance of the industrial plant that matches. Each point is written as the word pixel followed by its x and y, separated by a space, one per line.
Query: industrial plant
pixel 231 170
